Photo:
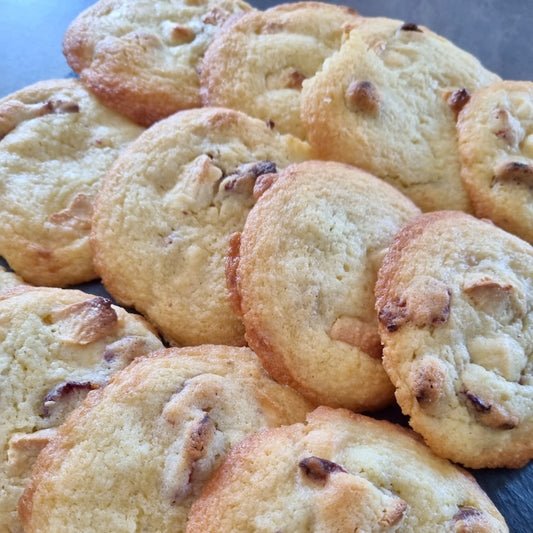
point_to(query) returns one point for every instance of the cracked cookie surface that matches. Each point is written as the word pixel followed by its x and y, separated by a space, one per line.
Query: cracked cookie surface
pixel 56 143
pixel 301 274
pixel 341 472
pixel 165 213
pixel 180 410
pixel 454 299
pixel 495 131
pixel 56 346
pixel 387 102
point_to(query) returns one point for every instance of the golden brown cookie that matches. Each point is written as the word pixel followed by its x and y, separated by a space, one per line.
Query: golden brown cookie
pixel 141 58
pixel 148 442
pixel 302 272
pixel 495 132
pixel 387 101
pixel 56 346
pixel 258 61
pixel 454 300
pixel 165 213
pixel 341 472
pixel 56 143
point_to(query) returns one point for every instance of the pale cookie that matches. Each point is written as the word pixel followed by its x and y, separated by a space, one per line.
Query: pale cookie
pixel 495 132
pixel 8 279
pixel 454 299
pixel 302 274
pixel 148 442
pixel 258 61
pixel 140 58
pixel 56 143
pixel 388 101
pixel 166 211
pixel 56 345
pixel 341 472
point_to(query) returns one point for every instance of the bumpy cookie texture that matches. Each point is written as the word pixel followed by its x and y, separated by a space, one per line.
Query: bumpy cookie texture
pixel 56 143
pixel 388 102
pixel 179 411
pixel 167 208
pixel 495 131
pixel 454 300
pixel 141 58
pixel 57 345
pixel 341 472
pixel 301 275
pixel 258 61
pixel 9 279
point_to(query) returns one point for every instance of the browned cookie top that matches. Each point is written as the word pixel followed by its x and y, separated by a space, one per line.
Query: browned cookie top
pixel 302 275
pixel 387 101
pixel 454 299
pixel 259 60
pixel 167 208
pixel 149 441
pixel 140 57
pixel 341 472
pixel 56 345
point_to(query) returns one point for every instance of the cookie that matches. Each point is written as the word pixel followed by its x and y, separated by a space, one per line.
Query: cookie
pixel 140 59
pixel 454 301
pixel 341 472
pixel 387 101
pixel 56 143
pixel 8 279
pixel 496 145
pixel 165 213
pixel 56 345
pixel 302 272
pixel 258 61
pixel 148 442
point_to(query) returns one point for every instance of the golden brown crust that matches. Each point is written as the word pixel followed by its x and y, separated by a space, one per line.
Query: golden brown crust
pixel 259 60
pixel 452 301
pixel 57 346
pixel 231 266
pixel 343 472
pixel 180 411
pixel 179 197
pixel 389 111
pixel 308 253
pixel 142 61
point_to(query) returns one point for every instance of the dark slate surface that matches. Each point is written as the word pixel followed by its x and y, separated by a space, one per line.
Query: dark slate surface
pixel 496 31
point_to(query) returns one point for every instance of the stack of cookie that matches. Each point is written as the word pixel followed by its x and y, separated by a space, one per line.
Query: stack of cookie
pixel 300 215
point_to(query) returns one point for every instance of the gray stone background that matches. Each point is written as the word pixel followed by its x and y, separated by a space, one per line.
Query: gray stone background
pixel 496 31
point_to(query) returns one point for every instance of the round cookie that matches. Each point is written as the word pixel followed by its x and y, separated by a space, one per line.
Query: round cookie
pixel 387 102
pixel 341 472
pixel 141 59
pixel 495 131
pixel 56 345
pixel 302 272
pixel 165 213
pixel 149 441
pixel 258 60
pixel 56 143
pixel 454 300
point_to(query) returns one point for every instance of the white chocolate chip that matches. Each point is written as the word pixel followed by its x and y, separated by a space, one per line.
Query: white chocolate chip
pixel 500 354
